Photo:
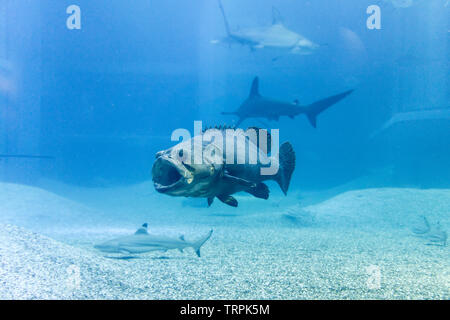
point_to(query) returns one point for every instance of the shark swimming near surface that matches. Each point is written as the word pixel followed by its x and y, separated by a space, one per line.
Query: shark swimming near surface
pixel 257 106
pixel 141 241
pixel 276 36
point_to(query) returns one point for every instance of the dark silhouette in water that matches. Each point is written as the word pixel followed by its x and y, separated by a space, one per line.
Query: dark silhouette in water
pixel 434 235
pixel 257 106
pixel 422 229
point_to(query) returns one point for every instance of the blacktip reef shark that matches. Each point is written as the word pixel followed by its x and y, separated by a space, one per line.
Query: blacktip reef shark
pixel 141 241
pixel 257 106
pixel 275 36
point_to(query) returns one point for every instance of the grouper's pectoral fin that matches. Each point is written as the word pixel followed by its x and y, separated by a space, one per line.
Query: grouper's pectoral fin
pixel 232 179
pixel 210 201
pixel 229 200
pixel 259 190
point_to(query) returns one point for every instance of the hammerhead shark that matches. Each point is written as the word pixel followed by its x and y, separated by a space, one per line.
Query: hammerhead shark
pixel 141 241
pixel 257 106
pixel 275 36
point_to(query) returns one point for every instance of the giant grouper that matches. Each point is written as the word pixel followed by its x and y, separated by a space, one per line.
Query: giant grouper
pixel 220 174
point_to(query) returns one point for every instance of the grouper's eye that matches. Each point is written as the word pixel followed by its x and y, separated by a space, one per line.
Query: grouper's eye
pixel 180 153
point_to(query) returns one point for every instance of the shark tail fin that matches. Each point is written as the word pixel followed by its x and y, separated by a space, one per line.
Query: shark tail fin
pixel 287 166
pixel 199 243
pixel 313 110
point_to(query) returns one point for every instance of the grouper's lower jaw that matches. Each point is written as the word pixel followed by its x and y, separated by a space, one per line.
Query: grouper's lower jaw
pixel 169 175
pixel 164 189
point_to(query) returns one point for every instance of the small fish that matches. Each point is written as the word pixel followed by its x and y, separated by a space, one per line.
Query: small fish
pixel 141 241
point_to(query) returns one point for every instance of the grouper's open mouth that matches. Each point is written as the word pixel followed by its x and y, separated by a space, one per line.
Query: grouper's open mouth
pixel 169 174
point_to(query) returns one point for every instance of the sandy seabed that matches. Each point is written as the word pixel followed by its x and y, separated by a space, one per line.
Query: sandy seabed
pixel 355 245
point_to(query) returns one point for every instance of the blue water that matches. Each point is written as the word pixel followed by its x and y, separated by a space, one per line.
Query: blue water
pixel 146 69
pixel 102 100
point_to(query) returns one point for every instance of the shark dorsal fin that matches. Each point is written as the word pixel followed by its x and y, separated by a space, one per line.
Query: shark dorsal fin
pixel 142 230
pixel 276 16
pixel 254 91
pixel 182 238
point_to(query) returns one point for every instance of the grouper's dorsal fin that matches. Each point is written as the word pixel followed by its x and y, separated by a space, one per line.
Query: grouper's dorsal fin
pixel 254 91
pixel 220 127
pixel 142 230
pixel 276 16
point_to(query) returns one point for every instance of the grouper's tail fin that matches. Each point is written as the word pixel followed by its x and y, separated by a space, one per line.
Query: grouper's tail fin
pixel 199 243
pixel 287 166
pixel 313 110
